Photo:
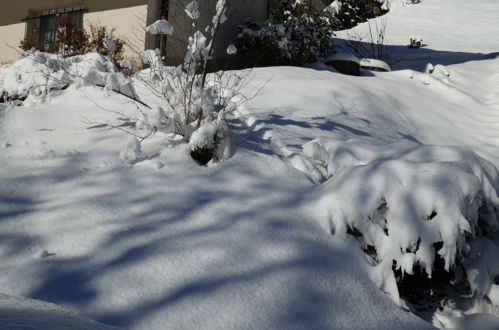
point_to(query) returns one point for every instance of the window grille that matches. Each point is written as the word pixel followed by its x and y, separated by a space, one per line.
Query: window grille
pixel 41 26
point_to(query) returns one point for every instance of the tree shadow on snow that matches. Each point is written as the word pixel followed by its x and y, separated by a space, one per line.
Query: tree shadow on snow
pixel 417 58
pixel 13 206
pixel 204 247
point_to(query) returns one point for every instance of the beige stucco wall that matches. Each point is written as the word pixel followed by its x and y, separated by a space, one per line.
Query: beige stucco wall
pixel 129 24
pixel 10 38
pixel 11 12
pixel 128 16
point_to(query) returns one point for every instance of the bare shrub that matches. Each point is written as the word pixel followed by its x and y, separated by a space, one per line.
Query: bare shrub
pixel 104 41
pixel 193 101
pixel 374 44
pixel 72 39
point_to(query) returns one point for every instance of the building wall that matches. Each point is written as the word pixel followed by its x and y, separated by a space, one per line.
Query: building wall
pixel 237 11
pixel 11 12
pixel 10 38
pixel 128 16
pixel 129 24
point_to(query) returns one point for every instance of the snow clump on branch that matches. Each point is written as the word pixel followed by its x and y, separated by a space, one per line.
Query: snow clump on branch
pixel 160 27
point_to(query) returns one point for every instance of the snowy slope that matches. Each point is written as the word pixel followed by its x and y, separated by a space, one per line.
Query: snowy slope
pixel 169 244
pixel 453 32
pixel 184 246
pixel 446 25
pixel 24 313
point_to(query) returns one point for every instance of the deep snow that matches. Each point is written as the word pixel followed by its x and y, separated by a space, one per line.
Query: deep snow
pixel 169 244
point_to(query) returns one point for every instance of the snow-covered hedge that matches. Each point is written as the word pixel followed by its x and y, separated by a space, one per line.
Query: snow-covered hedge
pixel 405 200
pixel 348 13
pixel 296 34
pixel 36 74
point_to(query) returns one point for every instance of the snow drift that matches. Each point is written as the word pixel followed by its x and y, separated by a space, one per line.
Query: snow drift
pixel 32 78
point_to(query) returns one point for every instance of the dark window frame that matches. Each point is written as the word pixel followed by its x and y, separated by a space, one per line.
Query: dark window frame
pixel 41 25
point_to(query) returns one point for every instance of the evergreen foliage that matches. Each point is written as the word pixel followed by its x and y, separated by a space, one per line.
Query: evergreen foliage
pixel 295 34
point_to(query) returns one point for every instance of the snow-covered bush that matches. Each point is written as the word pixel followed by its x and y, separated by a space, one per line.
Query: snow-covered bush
pixel 415 41
pixel 73 39
pixel 195 103
pixel 296 34
pixel 411 206
pixel 76 57
pixel 131 152
pixel 32 78
pixel 104 41
pixel 347 14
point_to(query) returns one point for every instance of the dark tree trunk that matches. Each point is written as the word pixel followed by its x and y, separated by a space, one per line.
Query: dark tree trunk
pixel 163 12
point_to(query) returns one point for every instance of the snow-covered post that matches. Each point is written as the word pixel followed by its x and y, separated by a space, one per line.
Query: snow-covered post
pixel 162 28
pixel 219 18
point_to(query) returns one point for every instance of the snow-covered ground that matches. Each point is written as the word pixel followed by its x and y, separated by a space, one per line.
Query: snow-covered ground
pixel 247 243
pixel 24 313
pixel 453 32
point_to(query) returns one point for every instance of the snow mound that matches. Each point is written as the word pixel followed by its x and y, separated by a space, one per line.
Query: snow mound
pixel 203 137
pixel 33 77
pixel 131 152
pixel 25 313
pixel 404 200
pixel 374 64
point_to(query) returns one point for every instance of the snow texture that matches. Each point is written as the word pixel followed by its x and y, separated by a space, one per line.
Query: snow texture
pixel 131 152
pixel 192 10
pixel 334 8
pixel 232 49
pixel 24 313
pixel 203 137
pixel 374 63
pixel 161 26
pixel 109 44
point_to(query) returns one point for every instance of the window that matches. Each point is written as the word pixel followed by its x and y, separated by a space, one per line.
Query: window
pixel 41 28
